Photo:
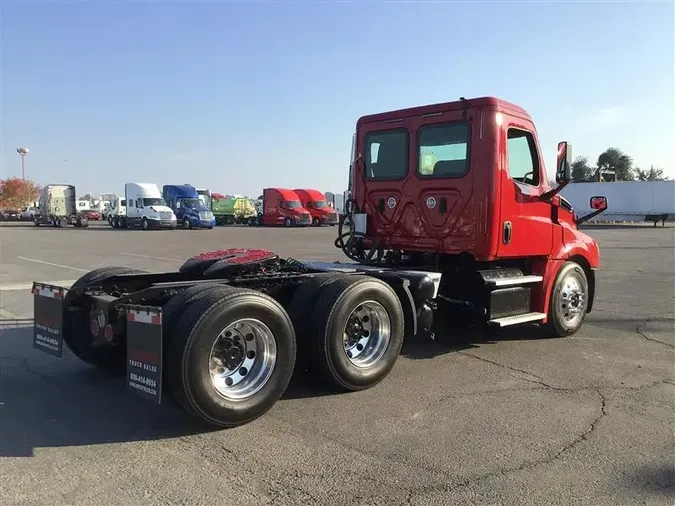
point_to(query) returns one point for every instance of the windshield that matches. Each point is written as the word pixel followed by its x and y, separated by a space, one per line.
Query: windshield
pixel 320 203
pixel 154 202
pixel 191 203
pixel 292 204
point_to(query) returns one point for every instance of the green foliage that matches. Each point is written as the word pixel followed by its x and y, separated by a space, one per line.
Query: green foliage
pixel 613 165
pixel 653 174
pixel 582 172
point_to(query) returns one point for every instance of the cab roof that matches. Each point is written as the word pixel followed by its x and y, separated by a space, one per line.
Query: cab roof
pixel 311 193
pixel 478 102
pixel 286 194
pixel 182 190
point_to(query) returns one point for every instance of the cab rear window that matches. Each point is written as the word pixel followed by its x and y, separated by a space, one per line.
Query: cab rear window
pixel 443 150
pixel 386 154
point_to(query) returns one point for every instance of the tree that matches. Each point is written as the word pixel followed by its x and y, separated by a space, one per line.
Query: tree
pixel 653 174
pixel 613 159
pixel 582 172
pixel 15 193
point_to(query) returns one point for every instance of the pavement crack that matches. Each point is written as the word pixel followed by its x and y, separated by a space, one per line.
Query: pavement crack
pixel 532 378
pixel 552 457
pixel 645 336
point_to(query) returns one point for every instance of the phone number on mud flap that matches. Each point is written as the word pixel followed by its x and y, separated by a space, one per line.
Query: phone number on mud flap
pixel 141 365
pixel 143 380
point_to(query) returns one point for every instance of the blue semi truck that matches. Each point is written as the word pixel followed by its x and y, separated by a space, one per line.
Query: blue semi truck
pixel 189 209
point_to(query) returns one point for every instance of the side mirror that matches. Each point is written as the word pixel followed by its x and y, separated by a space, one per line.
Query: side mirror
pixel 563 173
pixel 599 203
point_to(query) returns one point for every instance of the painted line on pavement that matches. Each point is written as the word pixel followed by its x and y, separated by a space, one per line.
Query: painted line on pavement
pixel 154 258
pixel 53 264
pixel 11 287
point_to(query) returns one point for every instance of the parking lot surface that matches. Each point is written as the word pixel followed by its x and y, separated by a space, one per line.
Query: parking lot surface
pixel 504 419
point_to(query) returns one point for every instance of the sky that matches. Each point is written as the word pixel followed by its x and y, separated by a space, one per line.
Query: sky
pixel 236 97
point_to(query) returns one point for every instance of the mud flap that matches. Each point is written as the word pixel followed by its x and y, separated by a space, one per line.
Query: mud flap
pixel 144 351
pixel 48 318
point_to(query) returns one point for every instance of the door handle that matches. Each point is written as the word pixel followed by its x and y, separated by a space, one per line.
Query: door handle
pixel 508 231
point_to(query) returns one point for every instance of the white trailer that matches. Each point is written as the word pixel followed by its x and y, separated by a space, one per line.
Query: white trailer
pixel 627 200
pixel 118 213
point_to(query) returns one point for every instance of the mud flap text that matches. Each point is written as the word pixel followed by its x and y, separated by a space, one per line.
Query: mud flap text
pixel 48 318
pixel 144 351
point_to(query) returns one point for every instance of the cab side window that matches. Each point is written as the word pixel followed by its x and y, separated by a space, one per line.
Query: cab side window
pixel 522 156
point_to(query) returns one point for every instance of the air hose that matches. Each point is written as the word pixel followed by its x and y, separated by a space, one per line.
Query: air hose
pixel 351 242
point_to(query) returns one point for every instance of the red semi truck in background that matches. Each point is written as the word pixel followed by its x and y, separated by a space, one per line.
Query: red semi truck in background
pixel 450 212
pixel 317 205
pixel 282 206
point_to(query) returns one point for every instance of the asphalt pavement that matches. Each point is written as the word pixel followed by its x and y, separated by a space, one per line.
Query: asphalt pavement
pixel 505 419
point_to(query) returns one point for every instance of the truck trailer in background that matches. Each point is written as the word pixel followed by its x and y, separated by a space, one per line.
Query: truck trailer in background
pixel 629 200
pixel 58 206
pixel 233 209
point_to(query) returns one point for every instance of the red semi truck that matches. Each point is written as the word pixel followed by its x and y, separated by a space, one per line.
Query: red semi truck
pixel 317 205
pixel 282 206
pixel 450 210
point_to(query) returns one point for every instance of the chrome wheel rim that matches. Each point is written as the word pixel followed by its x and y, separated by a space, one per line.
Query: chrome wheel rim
pixel 242 359
pixel 572 299
pixel 367 334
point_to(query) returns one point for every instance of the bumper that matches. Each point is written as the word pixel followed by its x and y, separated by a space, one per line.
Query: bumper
pixel 162 223
pixel 141 326
pixel 302 222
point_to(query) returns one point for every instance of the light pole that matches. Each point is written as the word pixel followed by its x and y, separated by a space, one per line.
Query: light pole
pixel 22 153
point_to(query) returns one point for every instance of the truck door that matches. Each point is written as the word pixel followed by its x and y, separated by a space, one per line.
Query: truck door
pixel 525 226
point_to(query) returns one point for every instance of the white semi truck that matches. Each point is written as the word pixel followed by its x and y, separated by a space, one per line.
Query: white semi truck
pixel 629 200
pixel 145 208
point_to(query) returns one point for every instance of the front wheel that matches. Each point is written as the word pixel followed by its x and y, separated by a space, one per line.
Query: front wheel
pixel 357 330
pixel 145 224
pixel 186 223
pixel 231 356
pixel 569 301
pixel 288 222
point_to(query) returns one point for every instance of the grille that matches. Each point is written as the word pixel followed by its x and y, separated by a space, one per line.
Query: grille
pixel 165 215
pixel 206 215
pixel 305 217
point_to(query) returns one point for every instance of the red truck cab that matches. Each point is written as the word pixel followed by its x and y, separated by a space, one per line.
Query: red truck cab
pixel 282 206
pixel 461 187
pixel 317 205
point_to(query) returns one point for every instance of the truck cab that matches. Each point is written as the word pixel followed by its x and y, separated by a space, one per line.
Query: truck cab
pixel 188 206
pixel 461 188
pixel 282 206
pixel 317 205
pixel 146 208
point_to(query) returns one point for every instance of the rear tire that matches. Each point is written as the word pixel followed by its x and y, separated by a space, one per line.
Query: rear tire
pixel 196 355
pixel 351 305
pixel 76 331
pixel 300 310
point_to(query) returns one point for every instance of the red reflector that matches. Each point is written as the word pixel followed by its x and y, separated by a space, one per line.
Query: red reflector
pixel 156 320
pixel 108 333
pixel 94 327
pixel 131 317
